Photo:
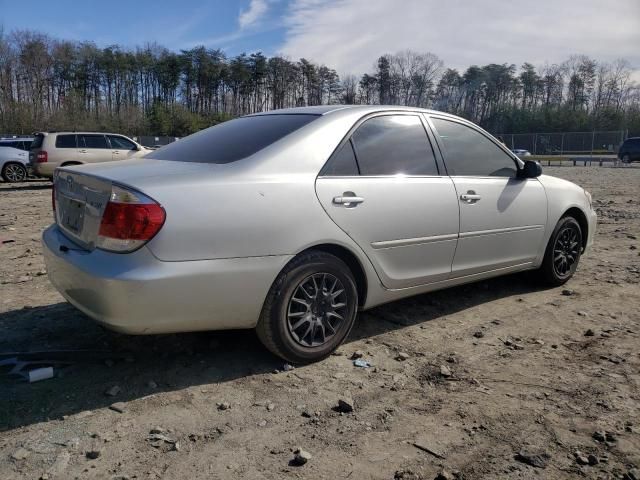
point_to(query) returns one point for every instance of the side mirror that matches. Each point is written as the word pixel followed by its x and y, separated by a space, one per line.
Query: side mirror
pixel 531 169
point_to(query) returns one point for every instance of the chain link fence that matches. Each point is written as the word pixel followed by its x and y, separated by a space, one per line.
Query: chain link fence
pixel 566 143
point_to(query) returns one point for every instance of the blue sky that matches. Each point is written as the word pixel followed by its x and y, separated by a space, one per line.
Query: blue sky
pixel 349 35
pixel 176 25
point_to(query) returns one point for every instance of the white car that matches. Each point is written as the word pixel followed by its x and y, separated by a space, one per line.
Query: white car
pixel 14 159
pixel 292 221
pixel 521 152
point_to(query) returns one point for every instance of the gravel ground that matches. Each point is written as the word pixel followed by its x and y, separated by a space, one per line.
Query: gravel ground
pixel 498 379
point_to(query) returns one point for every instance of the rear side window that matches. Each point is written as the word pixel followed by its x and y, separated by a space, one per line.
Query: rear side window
pixel 467 152
pixel 37 142
pixel 233 140
pixel 343 163
pixel 25 145
pixel 92 141
pixel 10 144
pixel 394 144
pixel 66 141
pixel 121 143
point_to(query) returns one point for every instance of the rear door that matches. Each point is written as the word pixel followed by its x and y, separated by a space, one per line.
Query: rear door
pixel 121 147
pixel 66 149
pixel 383 187
pixel 502 217
pixel 93 148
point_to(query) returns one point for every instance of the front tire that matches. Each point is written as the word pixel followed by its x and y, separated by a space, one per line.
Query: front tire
pixel 310 308
pixel 563 253
pixel 14 173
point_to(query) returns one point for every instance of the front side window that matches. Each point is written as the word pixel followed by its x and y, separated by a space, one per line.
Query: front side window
pixel 233 140
pixel 66 141
pixel 92 141
pixel 467 152
pixel 121 143
pixel 394 145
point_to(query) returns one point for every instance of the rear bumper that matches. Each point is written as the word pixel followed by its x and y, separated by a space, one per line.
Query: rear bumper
pixel 44 169
pixel 137 293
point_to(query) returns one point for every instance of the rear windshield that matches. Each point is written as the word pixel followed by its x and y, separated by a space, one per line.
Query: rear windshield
pixel 233 140
pixel 37 141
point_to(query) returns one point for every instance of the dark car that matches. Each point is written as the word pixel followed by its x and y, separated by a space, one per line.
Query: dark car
pixel 630 150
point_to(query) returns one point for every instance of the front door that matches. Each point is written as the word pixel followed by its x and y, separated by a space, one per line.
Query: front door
pixel 382 187
pixel 122 148
pixel 502 216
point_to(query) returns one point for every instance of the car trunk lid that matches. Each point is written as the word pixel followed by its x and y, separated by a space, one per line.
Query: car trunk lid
pixel 80 201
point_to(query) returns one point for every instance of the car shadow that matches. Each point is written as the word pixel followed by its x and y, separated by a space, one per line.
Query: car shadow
pixel 35 184
pixel 88 359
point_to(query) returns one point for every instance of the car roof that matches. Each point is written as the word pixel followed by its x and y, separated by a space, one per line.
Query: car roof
pixel 79 133
pixel 330 109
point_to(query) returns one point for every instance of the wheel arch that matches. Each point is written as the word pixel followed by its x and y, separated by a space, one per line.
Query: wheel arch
pixel 581 218
pixel 351 260
pixel 71 162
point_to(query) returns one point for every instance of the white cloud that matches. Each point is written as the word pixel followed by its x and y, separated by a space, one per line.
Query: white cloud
pixel 251 16
pixel 350 35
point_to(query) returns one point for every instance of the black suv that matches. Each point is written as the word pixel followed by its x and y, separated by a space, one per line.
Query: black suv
pixel 630 150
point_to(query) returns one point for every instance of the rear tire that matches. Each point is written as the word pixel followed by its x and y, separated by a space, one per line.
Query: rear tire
pixel 562 254
pixel 310 308
pixel 14 173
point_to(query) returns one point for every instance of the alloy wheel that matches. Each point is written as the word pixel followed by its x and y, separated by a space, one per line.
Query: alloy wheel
pixel 316 309
pixel 566 250
pixel 14 173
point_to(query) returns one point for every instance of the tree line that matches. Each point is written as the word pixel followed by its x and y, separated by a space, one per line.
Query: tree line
pixel 48 83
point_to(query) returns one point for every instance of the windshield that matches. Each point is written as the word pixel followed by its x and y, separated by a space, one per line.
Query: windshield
pixel 233 140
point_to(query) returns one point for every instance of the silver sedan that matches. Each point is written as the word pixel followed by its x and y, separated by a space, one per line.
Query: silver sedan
pixel 292 221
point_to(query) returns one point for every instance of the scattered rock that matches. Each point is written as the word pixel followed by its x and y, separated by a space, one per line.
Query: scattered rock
pixel 581 459
pixel 567 292
pixel 113 391
pixel 593 460
pixel 599 436
pixel 478 334
pixel 582 313
pixel 445 371
pixel 262 423
pixel 402 356
pixel 346 405
pixel 444 475
pixel 223 405
pixel 300 457
pixel 537 460
pixel 357 354
pixel 119 407
pixel 20 454
pixel 287 368
pixel 589 333
pixel 406 475
pixel 92 454
pixel 271 407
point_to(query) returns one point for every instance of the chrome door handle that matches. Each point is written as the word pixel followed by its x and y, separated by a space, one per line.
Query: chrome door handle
pixel 116 152
pixel 470 197
pixel 348 200
pixel 83 151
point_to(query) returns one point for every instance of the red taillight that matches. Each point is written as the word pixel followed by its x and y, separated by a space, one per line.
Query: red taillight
pixel 42 157
pixel 131 221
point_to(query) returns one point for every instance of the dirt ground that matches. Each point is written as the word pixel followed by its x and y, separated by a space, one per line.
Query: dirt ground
pixel 488 371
